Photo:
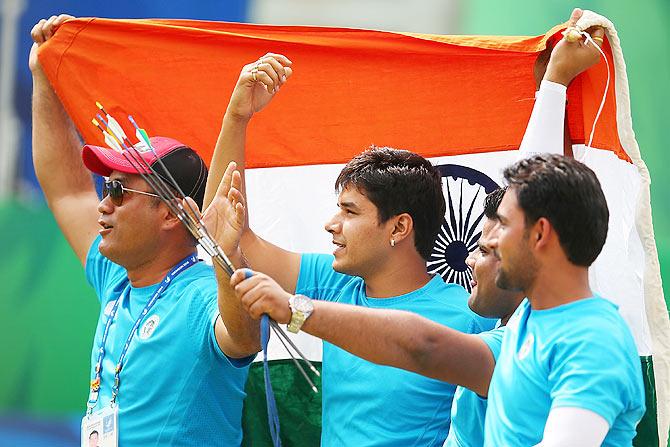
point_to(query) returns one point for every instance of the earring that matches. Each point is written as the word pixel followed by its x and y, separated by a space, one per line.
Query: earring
pixel 392 242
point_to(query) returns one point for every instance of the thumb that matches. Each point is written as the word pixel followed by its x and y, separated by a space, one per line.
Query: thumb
pixel 575 16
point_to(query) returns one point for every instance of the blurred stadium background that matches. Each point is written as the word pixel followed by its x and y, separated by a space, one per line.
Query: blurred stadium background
pixel 48 312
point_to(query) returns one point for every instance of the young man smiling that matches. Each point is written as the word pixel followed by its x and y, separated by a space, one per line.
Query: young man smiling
pixel 391 207
pixel 488 300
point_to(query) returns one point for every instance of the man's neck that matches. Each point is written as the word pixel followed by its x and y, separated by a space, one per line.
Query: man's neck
pixel 397 278
pixel 155 270
pixel 557 286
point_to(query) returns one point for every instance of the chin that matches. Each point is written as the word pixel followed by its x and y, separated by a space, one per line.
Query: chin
pixel 341 267
pixel 109 253
pixel 472 301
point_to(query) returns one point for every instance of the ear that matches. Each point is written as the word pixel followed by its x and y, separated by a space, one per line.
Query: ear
pixel 403 225
pixel 171 221
pixel 541 233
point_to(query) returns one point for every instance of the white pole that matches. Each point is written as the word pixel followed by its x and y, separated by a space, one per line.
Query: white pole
pixel 9 122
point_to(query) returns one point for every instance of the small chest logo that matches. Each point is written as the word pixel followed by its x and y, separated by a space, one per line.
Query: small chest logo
pixel 526 347
pixel 149 327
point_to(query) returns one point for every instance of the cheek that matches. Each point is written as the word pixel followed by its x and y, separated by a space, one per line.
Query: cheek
pixel 484 268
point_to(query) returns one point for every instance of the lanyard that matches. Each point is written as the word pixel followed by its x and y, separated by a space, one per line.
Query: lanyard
pixel 95 383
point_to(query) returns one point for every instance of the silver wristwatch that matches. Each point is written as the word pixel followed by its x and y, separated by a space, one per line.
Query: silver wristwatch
pixel 301 309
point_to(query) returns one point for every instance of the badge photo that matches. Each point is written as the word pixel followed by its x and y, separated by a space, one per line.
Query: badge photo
pixel 100 429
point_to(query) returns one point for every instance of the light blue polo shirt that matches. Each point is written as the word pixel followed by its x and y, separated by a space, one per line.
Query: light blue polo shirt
pixel 177 386
pixel 365 404
pixel 579 354
pixel 469 408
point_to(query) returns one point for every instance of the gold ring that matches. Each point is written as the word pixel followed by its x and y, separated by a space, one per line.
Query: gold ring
pixel 599 39
pixel 254 72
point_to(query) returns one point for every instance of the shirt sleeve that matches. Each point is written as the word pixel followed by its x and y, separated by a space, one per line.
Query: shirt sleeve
pixel 317 279
pixel 493 340
pixel 100 271
pixel 203 313
pixel 546 126
pixel 590 373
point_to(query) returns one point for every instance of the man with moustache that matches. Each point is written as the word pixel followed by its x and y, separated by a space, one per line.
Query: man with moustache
pixel 486 299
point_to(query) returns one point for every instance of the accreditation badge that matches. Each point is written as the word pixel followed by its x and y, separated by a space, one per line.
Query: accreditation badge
pixel 101 428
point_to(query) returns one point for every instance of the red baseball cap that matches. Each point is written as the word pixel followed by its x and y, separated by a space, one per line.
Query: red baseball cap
pixel 184 164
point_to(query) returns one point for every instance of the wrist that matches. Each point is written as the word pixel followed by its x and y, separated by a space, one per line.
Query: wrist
pixel 555 74
pixel 237 258
pixel 302 308
pixel 235 117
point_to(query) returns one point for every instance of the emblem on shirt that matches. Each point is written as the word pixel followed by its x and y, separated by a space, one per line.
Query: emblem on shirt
pixel 149 327
pixel 526 347
pixel 464 192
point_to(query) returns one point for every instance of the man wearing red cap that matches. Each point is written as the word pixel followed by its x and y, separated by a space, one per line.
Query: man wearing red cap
pixel 168 363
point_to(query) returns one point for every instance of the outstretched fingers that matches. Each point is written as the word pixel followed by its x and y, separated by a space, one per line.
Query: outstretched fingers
pixel 227 180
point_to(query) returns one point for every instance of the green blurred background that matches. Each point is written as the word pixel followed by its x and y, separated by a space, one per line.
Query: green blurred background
pixel 47 311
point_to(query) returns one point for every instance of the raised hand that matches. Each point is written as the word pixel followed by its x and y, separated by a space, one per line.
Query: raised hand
pixel 224 217
pixel 259 81
pixel 571 57
pixel 41 32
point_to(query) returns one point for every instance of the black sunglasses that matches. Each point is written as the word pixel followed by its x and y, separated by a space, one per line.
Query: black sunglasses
pixel 115 190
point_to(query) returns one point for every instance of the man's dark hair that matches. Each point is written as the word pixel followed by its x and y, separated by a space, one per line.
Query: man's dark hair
pixel 94 432
pixel 569 195
pixel 492 202
pixel 396 182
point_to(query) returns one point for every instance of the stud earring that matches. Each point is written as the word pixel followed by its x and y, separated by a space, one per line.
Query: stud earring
pixel 392 242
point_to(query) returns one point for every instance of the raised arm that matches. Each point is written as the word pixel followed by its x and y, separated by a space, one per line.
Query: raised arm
pixel 259 81
pixel 555 69
pixel 67 184
pixel 388 337
pixel 237 334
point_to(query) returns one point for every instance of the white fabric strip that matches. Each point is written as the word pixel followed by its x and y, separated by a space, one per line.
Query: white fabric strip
pixel 656 308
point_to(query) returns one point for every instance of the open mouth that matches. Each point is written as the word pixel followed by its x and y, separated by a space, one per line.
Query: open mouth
pixel 105 227
pixel 338 246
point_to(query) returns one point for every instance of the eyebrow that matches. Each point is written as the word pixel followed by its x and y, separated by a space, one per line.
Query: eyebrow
pixel 349 205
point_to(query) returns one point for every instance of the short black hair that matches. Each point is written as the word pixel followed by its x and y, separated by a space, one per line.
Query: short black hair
pixel 569 195
pixel 492 202
pixel 398 181
pixel 94 432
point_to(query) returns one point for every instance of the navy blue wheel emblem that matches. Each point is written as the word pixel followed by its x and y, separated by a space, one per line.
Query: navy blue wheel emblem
pixel 464 190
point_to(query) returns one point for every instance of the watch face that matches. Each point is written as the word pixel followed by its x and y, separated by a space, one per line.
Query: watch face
pixel 302 304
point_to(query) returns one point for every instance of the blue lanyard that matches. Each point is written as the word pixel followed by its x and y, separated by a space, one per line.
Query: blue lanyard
pixel 273 414
pixel 95 383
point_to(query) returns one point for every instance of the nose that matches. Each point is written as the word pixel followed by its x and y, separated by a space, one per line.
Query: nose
pixel 105 206
pixel 470 260
pixel 333 225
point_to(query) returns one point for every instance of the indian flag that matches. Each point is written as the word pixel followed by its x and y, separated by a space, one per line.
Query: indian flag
pixel 461 101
